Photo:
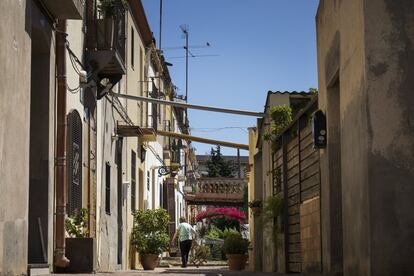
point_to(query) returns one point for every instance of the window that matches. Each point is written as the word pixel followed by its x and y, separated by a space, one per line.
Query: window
pixel 141 74
pixel 133 180
pixel 74 168
pixel 148 180
pixel 132 47
pixel 161 203
pixel 108 188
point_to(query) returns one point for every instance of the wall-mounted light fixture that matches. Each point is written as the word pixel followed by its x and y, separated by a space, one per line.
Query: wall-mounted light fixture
pixel 319 132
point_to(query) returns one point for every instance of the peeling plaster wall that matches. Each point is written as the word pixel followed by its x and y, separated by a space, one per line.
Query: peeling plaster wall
pixel 389 38
pixel 14 134
pixel 368 46
pixel 107 223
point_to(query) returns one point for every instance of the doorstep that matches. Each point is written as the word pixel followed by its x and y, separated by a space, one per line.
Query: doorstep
pixel 37 269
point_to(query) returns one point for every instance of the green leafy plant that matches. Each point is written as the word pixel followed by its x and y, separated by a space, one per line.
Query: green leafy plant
pixel 281 117
pixel 217 252
pixel 230 231
pixel 107 7
pixel 267 136
pixel 149 233
pixel 235 244
pixel 313 91
pixel 272 209
pixel 214 234
pixel 76 225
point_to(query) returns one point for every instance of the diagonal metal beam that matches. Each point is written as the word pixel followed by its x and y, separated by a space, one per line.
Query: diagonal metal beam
pixel 191 106
pixel 202 140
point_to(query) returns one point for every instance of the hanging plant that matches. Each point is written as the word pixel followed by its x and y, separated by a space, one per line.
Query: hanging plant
pixel 281 116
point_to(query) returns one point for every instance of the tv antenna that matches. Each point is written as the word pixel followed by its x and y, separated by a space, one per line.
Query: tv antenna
pixel 188 54
pixel 184 29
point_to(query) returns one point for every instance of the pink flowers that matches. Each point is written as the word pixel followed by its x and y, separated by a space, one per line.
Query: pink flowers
pixel 228 213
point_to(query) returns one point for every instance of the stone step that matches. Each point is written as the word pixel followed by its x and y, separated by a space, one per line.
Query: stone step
pixel 37 269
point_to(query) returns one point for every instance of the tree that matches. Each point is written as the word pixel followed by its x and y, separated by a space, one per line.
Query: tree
pixel 217 165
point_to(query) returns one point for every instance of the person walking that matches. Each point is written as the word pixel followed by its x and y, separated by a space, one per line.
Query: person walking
pixel 185 234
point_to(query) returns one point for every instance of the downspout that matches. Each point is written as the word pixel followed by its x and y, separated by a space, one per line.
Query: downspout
pixel 88 173
pixel 60 259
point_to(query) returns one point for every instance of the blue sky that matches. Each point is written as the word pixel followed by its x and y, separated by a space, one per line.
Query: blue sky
pixel 261 45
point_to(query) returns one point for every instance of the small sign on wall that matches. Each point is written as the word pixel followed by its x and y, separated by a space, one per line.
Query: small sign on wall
pixel 319 132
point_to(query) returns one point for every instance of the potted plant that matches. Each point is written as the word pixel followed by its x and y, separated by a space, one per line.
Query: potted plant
pixel 255 205
pixel 236 248
pixel 106 25
pixel 80 248
pixel 108 9
pixel 149 236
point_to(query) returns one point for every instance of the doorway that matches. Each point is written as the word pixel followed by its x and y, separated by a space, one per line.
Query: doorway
pixel 40 173
pixel 335 176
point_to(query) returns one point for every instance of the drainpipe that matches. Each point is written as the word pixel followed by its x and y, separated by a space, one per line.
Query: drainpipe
pixel 60 259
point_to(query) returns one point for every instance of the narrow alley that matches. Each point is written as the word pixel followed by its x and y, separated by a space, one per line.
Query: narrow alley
pixel 207 137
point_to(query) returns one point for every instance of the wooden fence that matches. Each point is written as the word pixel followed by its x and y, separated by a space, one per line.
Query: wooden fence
pixel 296 178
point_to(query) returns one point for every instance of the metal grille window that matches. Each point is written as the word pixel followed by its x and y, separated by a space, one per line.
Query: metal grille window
pixel 132 47
pixel 148 181
pixel 133 180
pixel 74 153
pixel 154 106
pixel 161 196
pixel 108 188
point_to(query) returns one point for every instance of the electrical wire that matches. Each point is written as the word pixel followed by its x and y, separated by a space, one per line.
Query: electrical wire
pixel 73 90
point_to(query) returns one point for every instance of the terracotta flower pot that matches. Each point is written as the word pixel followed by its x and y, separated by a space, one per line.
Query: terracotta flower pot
pixel 236 261
pixel 255 210
pixel 149 261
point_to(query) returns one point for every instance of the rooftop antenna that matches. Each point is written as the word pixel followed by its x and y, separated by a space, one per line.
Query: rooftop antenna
pixel 184 29
pixel 188 54
pixel 160 45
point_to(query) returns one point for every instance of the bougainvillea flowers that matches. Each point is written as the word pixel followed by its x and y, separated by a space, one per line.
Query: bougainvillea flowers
pixel 229 213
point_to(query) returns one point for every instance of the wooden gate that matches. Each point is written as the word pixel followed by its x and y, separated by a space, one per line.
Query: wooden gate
pixel 296 177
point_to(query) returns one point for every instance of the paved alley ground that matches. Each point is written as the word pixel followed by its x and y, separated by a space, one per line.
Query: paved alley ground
pixel 201 271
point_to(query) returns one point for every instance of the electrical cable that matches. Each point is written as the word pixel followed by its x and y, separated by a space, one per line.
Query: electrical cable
pixel 73 90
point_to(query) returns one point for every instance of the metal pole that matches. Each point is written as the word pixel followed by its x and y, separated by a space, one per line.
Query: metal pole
pixel 202 140
pixel 187 105
pixel 186 65
pixel 238 163
pixel 160 44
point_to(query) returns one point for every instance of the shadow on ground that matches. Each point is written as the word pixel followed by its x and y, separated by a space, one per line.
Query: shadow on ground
pixel 210 272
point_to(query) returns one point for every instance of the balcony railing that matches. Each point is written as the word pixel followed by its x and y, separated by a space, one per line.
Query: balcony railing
pixel 110 31
pixel 217 191
pixel 105 52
